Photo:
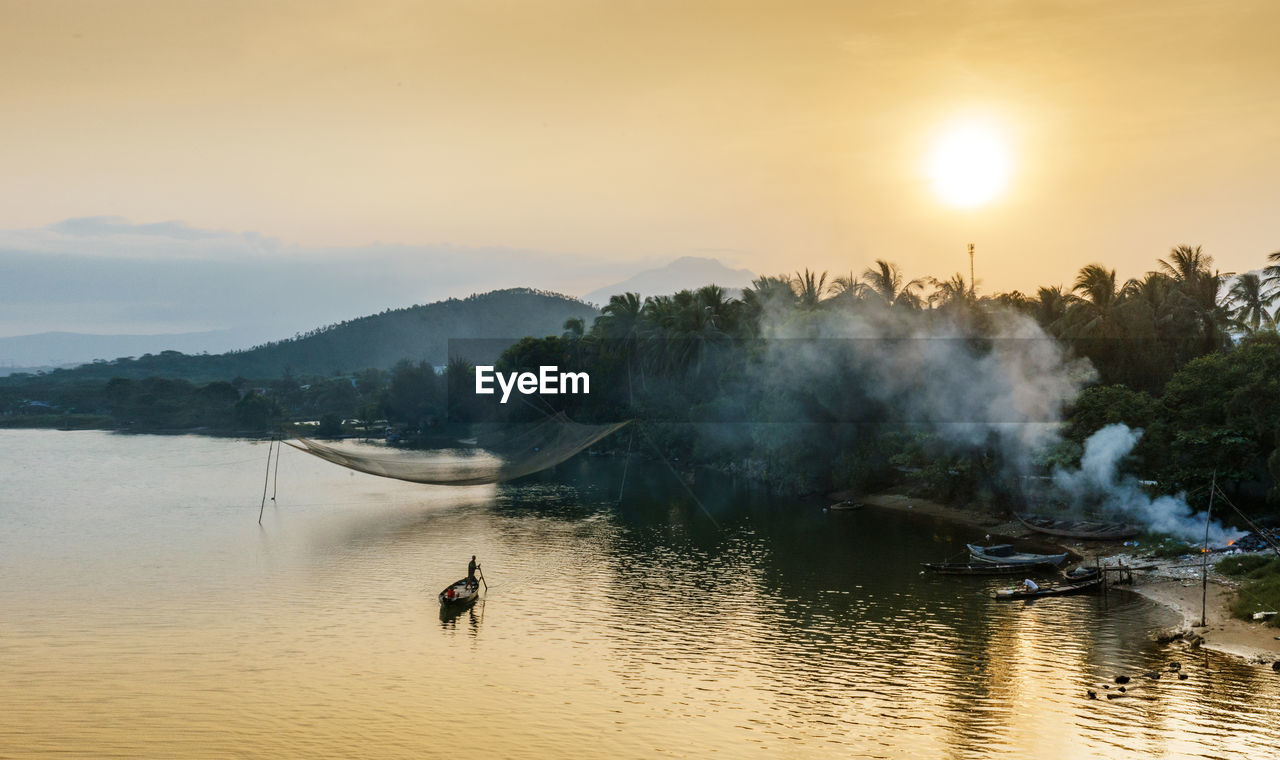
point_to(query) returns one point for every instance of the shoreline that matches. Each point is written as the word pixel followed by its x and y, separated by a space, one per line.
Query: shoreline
pixel 1176 585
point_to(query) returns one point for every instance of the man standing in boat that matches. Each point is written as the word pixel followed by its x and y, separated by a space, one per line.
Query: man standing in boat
pixel 471 572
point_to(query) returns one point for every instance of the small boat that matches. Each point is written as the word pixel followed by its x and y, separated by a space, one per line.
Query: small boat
pixel 459 594
pixel 845 506
pixel 1088 530
pixel 982 568
pixel 1062 590
pixel 1003 554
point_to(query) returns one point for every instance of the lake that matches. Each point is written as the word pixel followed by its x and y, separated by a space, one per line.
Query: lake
pixel 147 613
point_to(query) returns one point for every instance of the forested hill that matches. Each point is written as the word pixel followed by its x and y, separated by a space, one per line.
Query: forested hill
pixel 417 333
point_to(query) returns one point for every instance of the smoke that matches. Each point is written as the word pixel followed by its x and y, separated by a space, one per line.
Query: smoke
pixel 1099 484
pixel 1003 385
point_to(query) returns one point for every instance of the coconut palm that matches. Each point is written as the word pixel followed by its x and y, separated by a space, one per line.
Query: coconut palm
pixel 809 288
pixel 767 293
pixel 950 294
pixel 620 318
pixel 1093 303
pixel 847 288
pixel 1050 306
pixel 574 327
pixel 619 326
pixel 1271 277
pixel 1186 264
pixel 1251 302
pixel 1151 290
pixel 885 281
pixel 1194 312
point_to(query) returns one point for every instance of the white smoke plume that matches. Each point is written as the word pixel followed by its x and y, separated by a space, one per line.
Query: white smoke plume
pixel 1098 483
pixel 1009 388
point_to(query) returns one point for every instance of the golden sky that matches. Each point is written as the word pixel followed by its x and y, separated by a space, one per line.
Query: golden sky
pixel 772 135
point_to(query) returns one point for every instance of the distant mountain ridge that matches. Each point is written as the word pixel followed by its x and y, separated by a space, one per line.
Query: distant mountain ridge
pixel 688 272
pixel 61 349
pixel 416 333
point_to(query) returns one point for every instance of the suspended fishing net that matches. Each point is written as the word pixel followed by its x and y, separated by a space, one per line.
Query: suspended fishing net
pixel 512 452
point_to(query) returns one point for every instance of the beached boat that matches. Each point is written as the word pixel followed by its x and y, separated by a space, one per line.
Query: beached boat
pixel 1079 587
pixel 1088 530
pixel 1003 554
pixel 459 594
pixel 982 568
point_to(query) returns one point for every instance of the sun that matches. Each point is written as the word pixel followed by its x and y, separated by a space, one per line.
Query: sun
pixel 969 165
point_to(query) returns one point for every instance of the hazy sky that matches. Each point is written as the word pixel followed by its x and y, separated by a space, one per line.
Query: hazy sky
pixel 773 135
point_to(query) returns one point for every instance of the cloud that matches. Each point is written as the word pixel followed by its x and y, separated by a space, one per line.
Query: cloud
pixel 104 274
pixel 93 226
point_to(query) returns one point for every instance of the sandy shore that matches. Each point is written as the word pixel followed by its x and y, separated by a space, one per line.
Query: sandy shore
pixel 1224 633
pixel 1176 584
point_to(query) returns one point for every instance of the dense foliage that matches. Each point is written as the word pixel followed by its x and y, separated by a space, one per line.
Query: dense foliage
pixel 1186 353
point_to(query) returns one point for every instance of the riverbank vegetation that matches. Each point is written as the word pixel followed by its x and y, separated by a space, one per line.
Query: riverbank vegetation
pixel 800 380
pixel 1259 591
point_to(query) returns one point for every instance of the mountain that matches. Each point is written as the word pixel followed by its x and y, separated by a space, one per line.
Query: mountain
pixel 61 349
pixel 492 321
pixel 689 272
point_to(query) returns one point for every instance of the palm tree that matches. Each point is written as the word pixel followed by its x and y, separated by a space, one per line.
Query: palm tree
pixel 619 326
pixel 574 327
pixel 1271 276
pixel 1093 302
pixel 1193 312
pixel 620 318
pixel 885 280
pixel 1251 301
pixel 809 288
pixel 1186 264
pixel 766 293
pixel 1151 290
pixel 1050 306
pixel 950 294
pixel 847 288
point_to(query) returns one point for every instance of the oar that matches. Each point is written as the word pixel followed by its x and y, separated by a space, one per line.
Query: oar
pixel 482 580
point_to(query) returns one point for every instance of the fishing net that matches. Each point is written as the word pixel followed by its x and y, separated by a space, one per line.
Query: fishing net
pixel 504 454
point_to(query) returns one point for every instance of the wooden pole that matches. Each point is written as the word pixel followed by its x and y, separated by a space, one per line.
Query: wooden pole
pixel 1204 567
pixel 265 478
pixel 275 478
pixel 1097 561
pixel 482 580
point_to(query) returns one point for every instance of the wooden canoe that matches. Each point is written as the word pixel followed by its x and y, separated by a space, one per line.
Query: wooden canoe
pixel 1060 590
pixel 1003 554
pixel 1083 529
pixel 459 594
pixel 982 568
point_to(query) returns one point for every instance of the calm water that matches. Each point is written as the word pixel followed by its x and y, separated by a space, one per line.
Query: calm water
pixel 146 613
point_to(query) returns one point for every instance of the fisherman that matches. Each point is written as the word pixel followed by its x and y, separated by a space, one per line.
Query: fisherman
pixel 1030 586
pixel 471 572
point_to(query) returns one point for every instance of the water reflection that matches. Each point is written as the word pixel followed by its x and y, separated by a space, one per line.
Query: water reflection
pixel 472 615
pixel 160 620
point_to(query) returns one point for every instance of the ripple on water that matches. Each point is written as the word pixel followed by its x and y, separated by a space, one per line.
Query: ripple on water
pixel 146 613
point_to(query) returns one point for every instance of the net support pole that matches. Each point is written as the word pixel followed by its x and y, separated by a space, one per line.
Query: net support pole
pixel 275 476
pixel 266 477
pixel 1204 566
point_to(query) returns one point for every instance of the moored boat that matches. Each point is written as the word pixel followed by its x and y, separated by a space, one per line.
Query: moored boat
pixel 1088 530
pixel 1003 554
pixel 982 568
pixel 459 594
pixel 1064 589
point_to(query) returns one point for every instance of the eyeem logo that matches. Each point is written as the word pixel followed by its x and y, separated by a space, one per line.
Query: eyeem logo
pixel 547 381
